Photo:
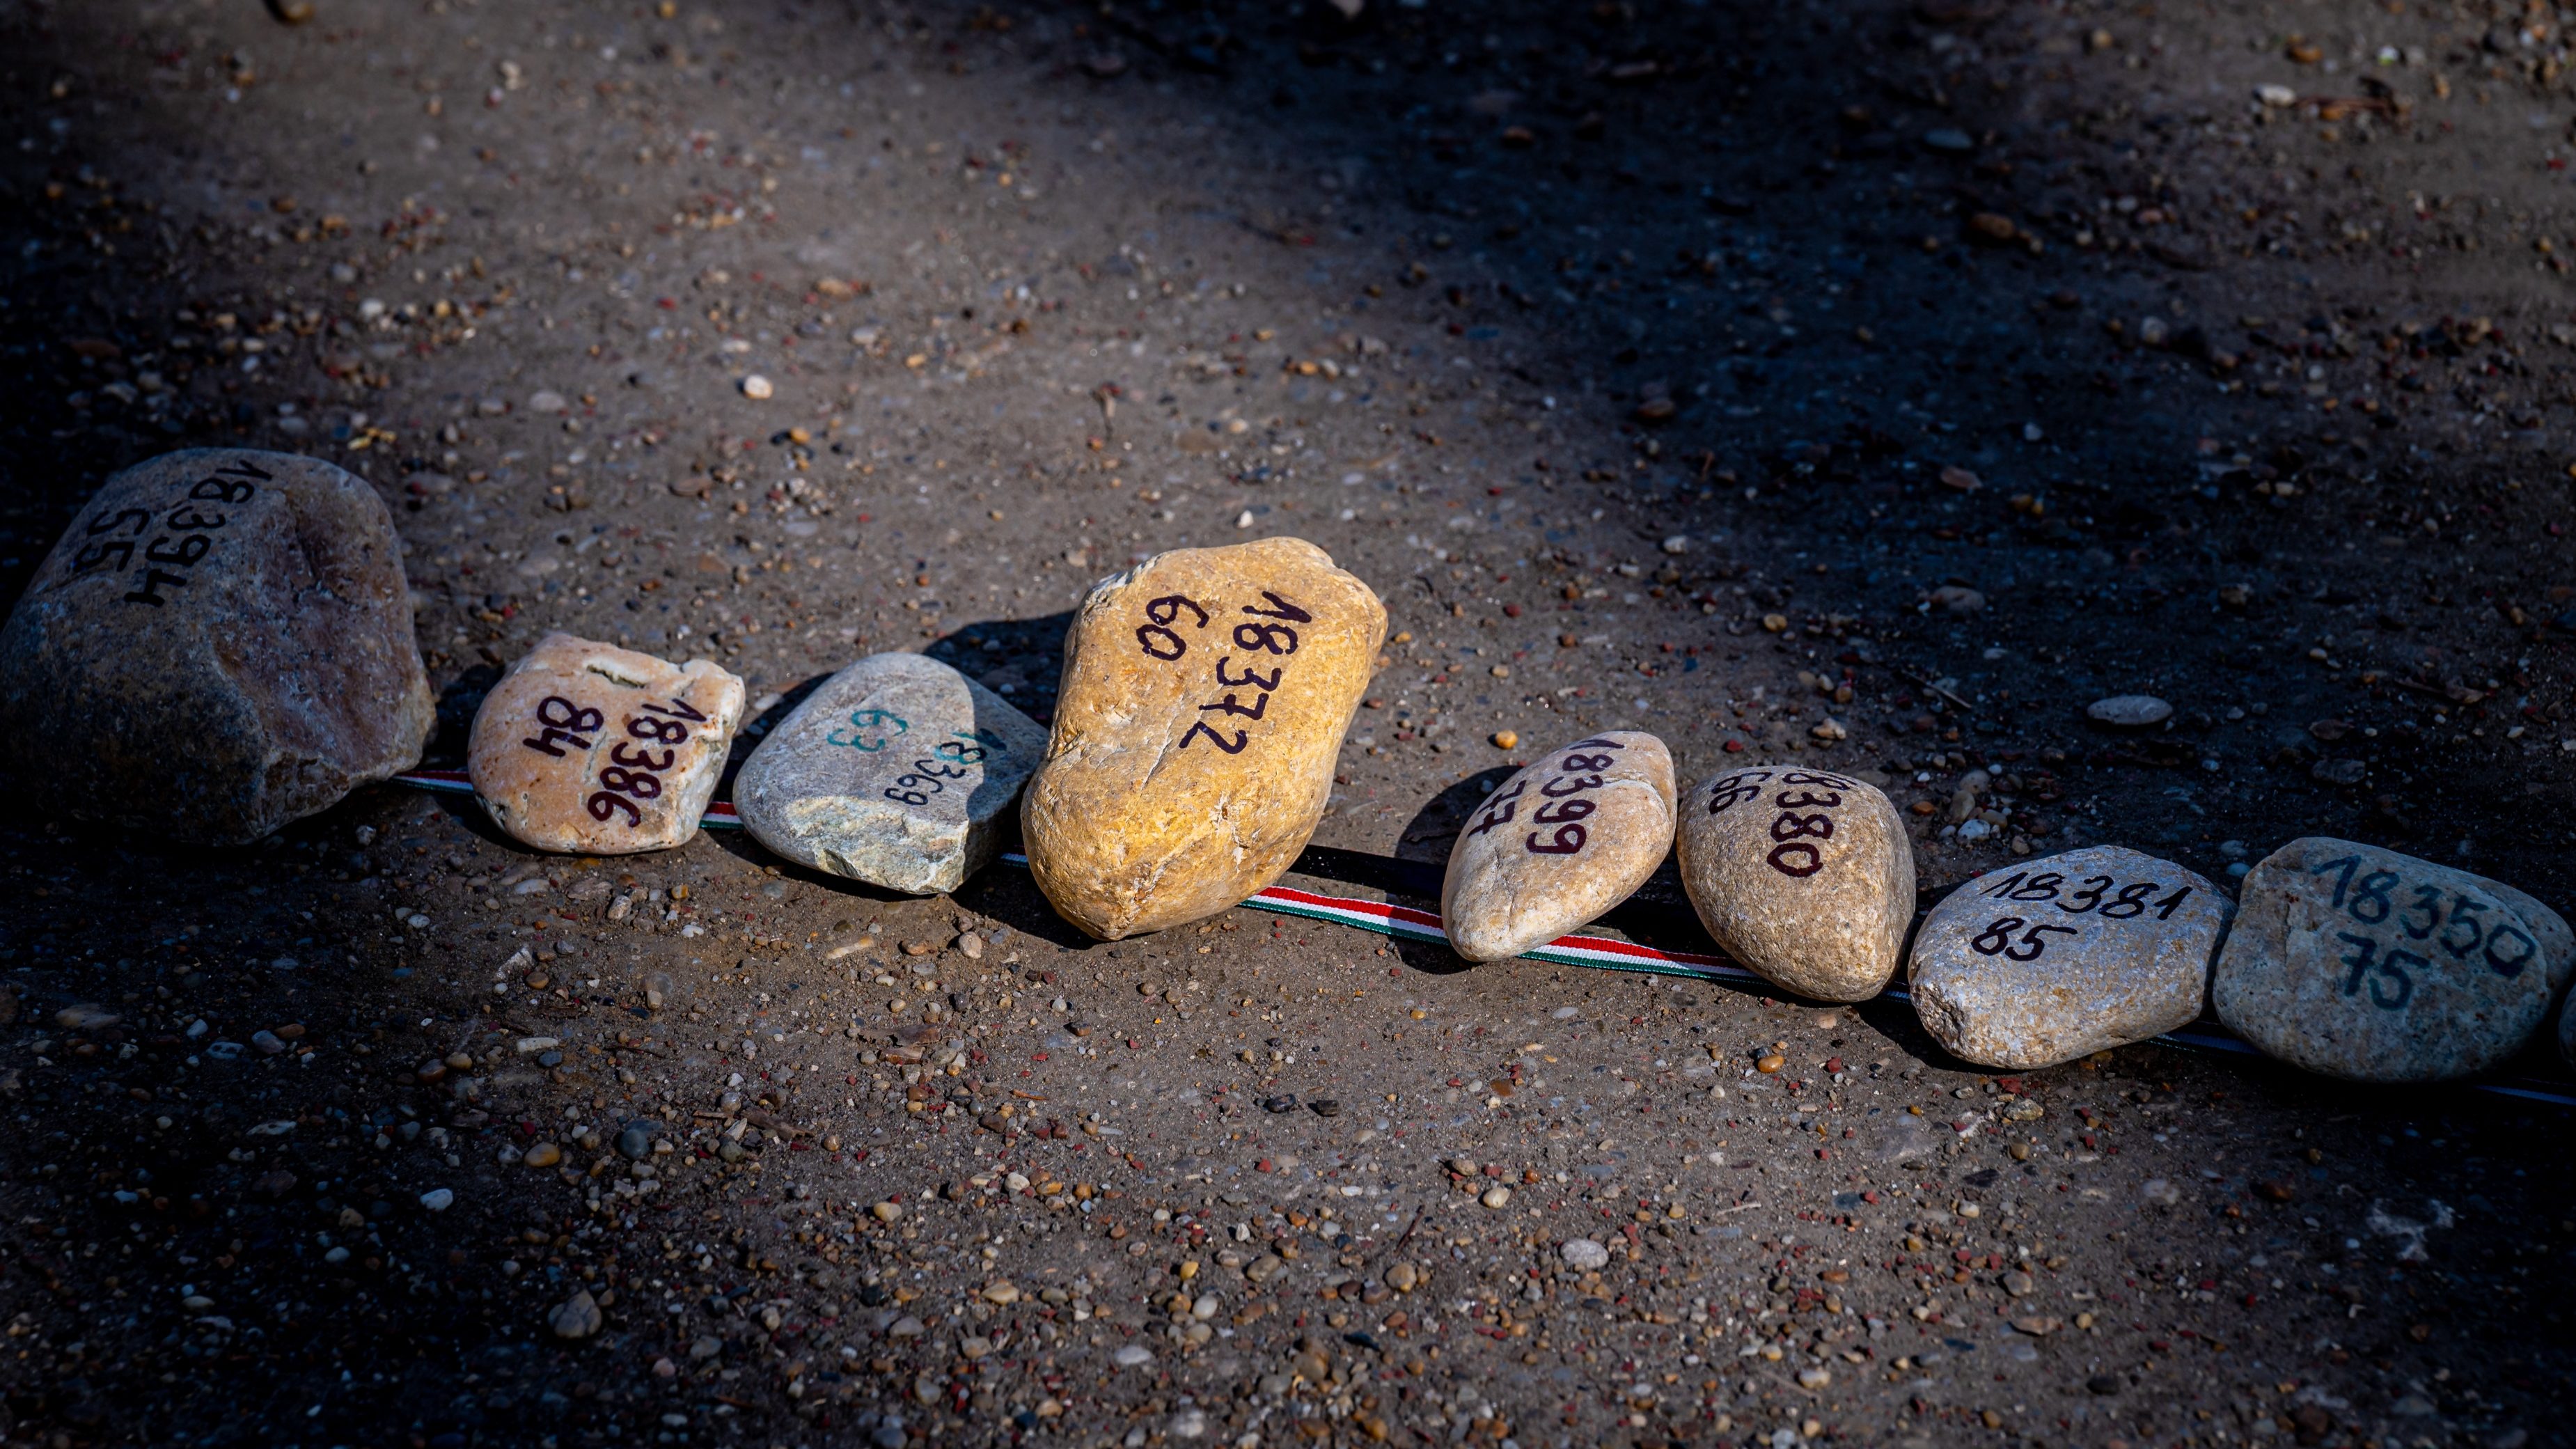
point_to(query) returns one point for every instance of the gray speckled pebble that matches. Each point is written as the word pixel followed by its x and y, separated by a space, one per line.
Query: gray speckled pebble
pixel 2361 963
pixel 897 772
pixel 2044 961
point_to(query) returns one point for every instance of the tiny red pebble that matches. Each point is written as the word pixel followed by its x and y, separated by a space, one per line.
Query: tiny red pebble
pixel 1511 611
pixel 1735 747
pixel 1457 1081
pixel 2009 1084
pixel 1833 1064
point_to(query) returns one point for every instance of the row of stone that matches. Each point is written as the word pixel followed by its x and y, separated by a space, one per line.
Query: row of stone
pixel 223 643
pixel 2344 958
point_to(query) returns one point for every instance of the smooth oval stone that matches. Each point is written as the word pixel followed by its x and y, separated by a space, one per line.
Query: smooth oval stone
pixel 589 748
pixel 1204 697
pixel 1804 876
pixel 2130 711
pixel 2365 964
pixel 2048 960
pixel 219 644
pixel 1560 843
pixel 896 771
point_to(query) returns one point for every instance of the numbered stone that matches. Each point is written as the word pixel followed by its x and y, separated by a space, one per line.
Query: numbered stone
pixel 585 747
pixel 897 771
pixel 1204 699
pixel 2365 964
pixel 1804 876
pixel 219 644
pixel 2557 942
pixel 2049 960
pixel 1560 843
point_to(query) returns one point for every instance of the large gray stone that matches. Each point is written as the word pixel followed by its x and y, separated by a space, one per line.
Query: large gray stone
pixel 897 771
pixel 2044 961
pixel 2365 964
pixel 221 643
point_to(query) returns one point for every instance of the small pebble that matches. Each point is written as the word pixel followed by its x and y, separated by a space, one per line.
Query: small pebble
pixel 1584 1254
pixel 757 388
pixel 2129 711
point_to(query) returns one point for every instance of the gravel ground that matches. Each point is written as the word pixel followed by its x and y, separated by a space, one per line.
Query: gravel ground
pixel 1882 384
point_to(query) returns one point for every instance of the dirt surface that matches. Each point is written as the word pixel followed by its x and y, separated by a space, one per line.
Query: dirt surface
pixel 1881 384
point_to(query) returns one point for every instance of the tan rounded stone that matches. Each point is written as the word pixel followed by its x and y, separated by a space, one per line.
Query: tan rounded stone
pixel 219 644
pixel 1804 876
pixel 586 747
pixel 1204 697
pixel 2044 961
pixel 1561 842
pixel 2372 966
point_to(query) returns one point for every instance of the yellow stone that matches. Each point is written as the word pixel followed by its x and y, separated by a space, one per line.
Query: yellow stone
pixel 1205 696
pixel 586 747
pixel 542 1154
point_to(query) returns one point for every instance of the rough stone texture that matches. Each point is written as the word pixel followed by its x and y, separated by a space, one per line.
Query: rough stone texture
pixel 1204 697
pixel 2044 961
pixel 1803 875
pixel 1558 844
pixel 2365 964
pixel 834 785
pixel 2557 942
pixel 2567 1032
pixel 219 644
pixel 591 748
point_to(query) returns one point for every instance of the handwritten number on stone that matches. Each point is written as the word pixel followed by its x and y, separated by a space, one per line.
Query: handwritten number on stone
pixel 1250 676
pixel 1280 609
pixel 187 520
pixel 1574 785
pixel 1167 608
pixel 659 731
pixel 1568 840
pixel 1218 740
pixel 2366 961
pixel 2462 911
pixel 1500 808
pixel 142 521
pixel 638 783
pixel 223 490
pixel 153 581
pixel 641 759
pixel 186 551
pixel 1796 859
pixel 95 554
pixel 602 805
pixel 680 708
pixel 1260 702
pixel 2428 899
pixel 1996 939
pixel 2509 967
pixel 1265 637
pixel 1735 789
pixel 1562 810
pixel 561 722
